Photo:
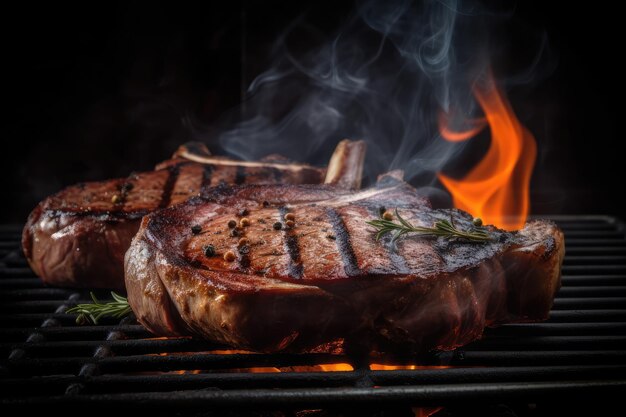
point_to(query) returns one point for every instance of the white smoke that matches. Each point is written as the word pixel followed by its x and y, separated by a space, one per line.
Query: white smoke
pixel 384 77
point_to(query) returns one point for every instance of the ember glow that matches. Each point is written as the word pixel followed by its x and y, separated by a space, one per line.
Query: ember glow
pixel 325 367
pixel 497 188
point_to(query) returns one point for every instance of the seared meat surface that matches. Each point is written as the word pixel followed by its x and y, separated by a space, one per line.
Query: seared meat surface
pixel 78 236
pixel 305 273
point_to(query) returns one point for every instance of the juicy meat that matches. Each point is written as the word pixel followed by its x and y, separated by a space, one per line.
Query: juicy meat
pixel 78 236
pixel 326 284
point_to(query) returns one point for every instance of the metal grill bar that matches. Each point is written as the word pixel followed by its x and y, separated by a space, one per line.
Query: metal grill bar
pixel 581 348
pixel 431 395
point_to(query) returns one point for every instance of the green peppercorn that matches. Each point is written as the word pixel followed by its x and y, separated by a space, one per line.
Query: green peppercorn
pixel 477 221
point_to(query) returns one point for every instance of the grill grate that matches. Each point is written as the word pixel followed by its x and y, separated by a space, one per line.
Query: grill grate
pixel 48 359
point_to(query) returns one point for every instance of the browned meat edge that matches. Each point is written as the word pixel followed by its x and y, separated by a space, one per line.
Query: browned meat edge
pixel 429 294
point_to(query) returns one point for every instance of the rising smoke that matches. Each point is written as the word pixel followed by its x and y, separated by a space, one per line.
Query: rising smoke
pixel 384 77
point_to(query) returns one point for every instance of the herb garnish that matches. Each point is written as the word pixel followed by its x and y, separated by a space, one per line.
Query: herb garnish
pixel 443 228
pixel 94 312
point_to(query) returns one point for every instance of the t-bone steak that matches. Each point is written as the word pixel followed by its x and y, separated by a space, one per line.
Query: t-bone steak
pixel 304 272
pixel 78 236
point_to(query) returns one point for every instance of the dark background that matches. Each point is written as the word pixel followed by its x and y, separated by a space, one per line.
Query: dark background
pixel 96 91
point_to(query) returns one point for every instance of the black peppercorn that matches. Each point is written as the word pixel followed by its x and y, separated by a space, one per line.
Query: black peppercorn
pixel 277 226
pixel 209 251
pixel 244 250
pixel 126 187
pixel 266 204
pixel 244 262
pixel 244 212
pixel 232 223
pixel 196 229
pixel 234 233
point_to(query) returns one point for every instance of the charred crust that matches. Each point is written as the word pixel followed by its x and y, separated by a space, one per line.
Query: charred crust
pixel 291 246
pixel 344 245
pixel 168 188
pixel 550 247
pixel 103 215
pixel 219 192
pixel 244 261
pixel 207 175
pixel 240 175
pixel 126 187
pixel 277 174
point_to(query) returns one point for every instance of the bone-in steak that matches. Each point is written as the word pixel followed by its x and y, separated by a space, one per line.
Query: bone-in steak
pixel 78 236
pixel 325 283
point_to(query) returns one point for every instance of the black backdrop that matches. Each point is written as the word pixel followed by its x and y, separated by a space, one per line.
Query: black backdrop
pixel 96 91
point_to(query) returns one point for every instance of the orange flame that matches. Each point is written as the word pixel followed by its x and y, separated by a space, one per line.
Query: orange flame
pixel 497 188
pixel 327 367
pixel 474 128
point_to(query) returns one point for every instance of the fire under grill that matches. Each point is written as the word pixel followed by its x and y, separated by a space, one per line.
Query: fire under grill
pixel 580 352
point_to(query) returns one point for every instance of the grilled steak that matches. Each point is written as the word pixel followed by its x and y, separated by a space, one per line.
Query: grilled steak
pixel 324 283
pixel 78 236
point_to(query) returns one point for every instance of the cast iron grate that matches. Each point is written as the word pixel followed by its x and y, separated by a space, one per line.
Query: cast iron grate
pixel 47 359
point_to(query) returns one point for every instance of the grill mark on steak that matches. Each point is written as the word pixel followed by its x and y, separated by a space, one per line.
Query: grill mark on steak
pixel 207 175
pixel 291 245
pixel 453 288
pixel 187 184
pixel 343 243
pixel 398 263
pixel 78 236
pixel 277 174
pixel 316 243
pixel 169 185
pixel 240 175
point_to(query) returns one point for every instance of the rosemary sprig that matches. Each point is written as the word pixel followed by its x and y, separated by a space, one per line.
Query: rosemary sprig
pixel 444 228
pixel 117 308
